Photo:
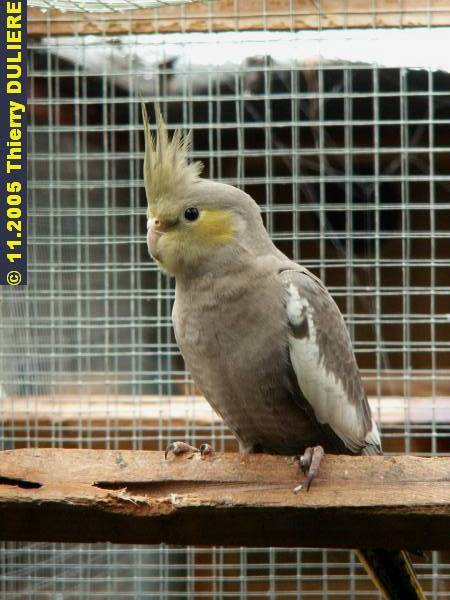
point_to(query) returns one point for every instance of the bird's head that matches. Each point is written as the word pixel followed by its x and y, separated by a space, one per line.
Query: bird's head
pixel 193 223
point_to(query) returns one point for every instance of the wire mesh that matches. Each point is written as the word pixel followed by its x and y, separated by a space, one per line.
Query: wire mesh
pixel 344 142
pixel 104 6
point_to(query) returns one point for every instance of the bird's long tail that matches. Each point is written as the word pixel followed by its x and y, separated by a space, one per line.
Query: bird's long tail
pixel 393 574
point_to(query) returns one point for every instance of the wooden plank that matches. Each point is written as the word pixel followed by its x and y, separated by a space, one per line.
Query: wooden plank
pixel 235 15
pixel 228 499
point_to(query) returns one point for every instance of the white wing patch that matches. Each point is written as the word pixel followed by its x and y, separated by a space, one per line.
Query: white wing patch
pixel 324 392
pixel 296 307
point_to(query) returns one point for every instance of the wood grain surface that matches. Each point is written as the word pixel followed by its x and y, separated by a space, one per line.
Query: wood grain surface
pixel 226 499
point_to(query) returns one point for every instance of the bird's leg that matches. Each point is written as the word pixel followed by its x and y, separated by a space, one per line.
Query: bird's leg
pixel 309 465
pixel 206 450
pixel 178 448
pixel 305 460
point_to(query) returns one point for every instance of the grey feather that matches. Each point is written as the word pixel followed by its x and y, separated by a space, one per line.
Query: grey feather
pixel 317 313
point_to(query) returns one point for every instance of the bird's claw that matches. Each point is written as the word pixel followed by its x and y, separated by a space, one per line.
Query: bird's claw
pixel 206 450
pixel 178 448
pixel 309 465
pixel 305 460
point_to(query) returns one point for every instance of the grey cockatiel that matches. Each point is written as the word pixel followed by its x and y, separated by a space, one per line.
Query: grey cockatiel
pixel 262 337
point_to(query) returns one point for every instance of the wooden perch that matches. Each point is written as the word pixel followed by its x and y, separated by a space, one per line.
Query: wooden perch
pixel 226 499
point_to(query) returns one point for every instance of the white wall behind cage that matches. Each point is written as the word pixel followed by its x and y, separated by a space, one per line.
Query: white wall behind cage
pixel 343 138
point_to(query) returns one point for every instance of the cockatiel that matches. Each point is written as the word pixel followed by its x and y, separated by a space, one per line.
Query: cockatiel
pixel 264 340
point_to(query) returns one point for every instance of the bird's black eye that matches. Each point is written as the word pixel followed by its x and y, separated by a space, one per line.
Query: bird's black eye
pixel 191 214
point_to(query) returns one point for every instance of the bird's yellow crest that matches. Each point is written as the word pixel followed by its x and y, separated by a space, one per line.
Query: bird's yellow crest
pixel 167 172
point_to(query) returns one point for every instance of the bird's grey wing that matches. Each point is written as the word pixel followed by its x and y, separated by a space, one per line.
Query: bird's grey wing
pixel 322 357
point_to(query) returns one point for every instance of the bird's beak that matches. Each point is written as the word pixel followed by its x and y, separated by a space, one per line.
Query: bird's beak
pixel 154 232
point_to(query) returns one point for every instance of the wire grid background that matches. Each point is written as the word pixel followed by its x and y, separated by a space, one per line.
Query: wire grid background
pixel 103 5
pixel 349 162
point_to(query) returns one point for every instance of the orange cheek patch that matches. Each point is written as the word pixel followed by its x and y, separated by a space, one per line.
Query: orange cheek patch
pixel 214 227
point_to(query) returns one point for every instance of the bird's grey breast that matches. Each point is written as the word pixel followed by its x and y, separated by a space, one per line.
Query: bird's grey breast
pixel 235 343
pixel 217 329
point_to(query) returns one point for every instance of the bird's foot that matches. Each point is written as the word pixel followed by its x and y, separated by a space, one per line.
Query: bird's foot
pixel 309 465
pixel 178 448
